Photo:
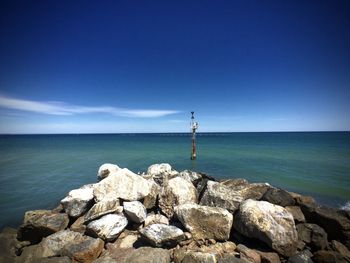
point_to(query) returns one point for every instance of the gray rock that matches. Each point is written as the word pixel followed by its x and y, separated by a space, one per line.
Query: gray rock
pixel 162 235
pixel 230 258
pixel 313 235
pixel 149 255
pixel 199 257
pixel 278 197
pixel 191 176
pixel 301 257
pixel 122 184
pixel 296 213
pixel 269 257
pixel 9 245
pixel 234 183
pixel 161 173
pixel 106 169
pixel 135 211
pixel 271 224
pixel 341 249
pixel 150 200
pixel 333 221
pixel 54 260
pixel 78 201
pixel 176 191
pixel 41 223
pixel 229 194
pixel 156 219
pixel 326 256
pixel 220 195
pixel 107 227
pixel 248 254
pixel 250 191
pixel 76 246
pixel 205 222
pixel 102 208
pixel 78 225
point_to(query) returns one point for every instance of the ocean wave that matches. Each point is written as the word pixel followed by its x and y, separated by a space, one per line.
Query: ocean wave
pixel 346 206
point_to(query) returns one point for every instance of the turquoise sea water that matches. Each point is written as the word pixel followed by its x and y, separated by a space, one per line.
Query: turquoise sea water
pixel 37 171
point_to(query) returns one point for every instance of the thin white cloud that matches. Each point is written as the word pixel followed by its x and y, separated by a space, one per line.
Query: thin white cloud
pixel 60 108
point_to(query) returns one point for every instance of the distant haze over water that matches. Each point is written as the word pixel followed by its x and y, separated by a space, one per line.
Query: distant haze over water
pixel 37 171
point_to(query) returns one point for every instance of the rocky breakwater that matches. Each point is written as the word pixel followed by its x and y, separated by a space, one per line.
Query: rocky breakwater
pixel 168 216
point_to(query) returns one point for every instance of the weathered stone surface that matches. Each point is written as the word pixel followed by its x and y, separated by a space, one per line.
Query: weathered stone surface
pixel 162 235
pixel 150 200
pixel 107 227
pixel 219 195
pixel 30 254
pixel 140 255
pixel 269 257
pixel 248 254
pixel 149 255
pixel 324 256
pixel 176 191
pixel 301 257
pixel 135 211
pixel 229 194
pixel 278 197
pixel 296 213
pixel 313 235
pixel 161 173
pixel 41 223
pixel 54 260
pixel 251 191
pixel 122 184
pixel 191 176
pixel 205 222
pixel 9 245
pixel 159 169
pixel 156 219
pixel 106 169
pixel 218 249
pixel 78 225
pixel 272 224
pixel 126 239
pixel 229 258
pixel 112 255
pixel 78 201
pixel 333 221
pixel 234 183
pixel 198 257
pixel 73 244
pixel 301 200
pixel 341 249
pixel 104 207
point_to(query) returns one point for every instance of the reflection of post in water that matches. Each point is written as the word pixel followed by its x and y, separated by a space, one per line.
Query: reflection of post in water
pixel 194 127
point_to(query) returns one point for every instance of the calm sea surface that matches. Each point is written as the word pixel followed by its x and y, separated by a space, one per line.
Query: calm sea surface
pixel 37 171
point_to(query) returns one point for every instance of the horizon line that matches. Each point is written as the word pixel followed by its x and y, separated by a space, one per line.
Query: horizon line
pixel 121 133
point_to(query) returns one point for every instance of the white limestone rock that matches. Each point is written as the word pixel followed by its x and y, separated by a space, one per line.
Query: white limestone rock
pixel 106 169
pixel 219 195
pixel 205 222
pixel 135 211
pixel 176 191
pixel 122 184
pixel 162 235
pixel 161 173
pixel 272 224
pixel 156 219
pixel 78 201
pixel 102 208
pixel 107 227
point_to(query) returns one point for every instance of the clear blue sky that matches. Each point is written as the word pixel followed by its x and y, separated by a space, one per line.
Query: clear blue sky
pixel 142 66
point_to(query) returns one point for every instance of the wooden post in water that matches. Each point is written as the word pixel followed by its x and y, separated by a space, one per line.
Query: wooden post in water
pixel 194 127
